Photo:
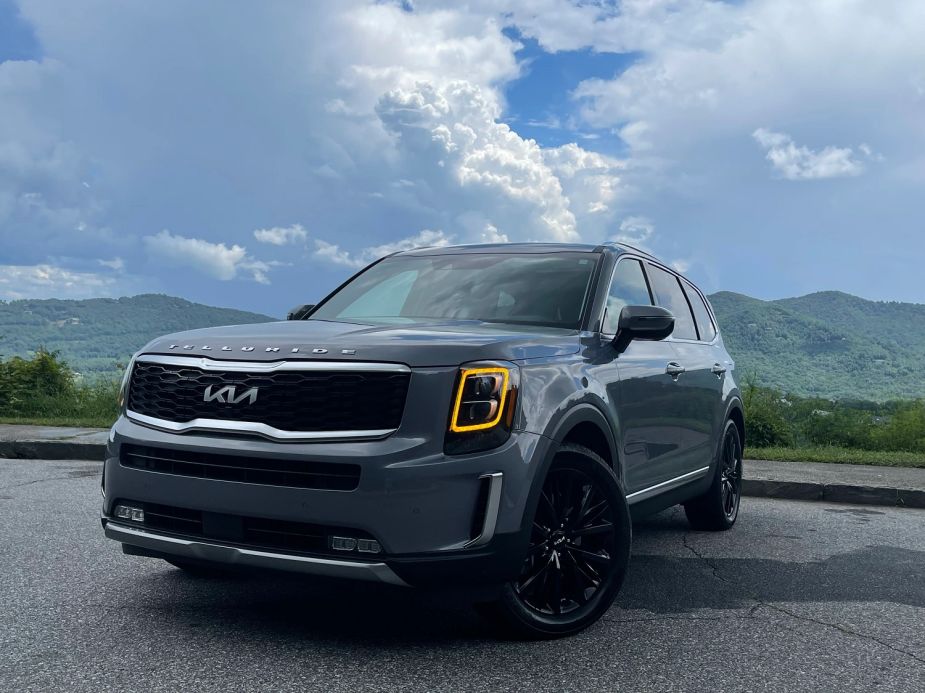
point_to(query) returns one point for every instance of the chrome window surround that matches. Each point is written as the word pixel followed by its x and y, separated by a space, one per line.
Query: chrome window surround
pixel 254 427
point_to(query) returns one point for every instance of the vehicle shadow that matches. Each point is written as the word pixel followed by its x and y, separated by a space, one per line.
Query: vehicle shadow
pixel 283 607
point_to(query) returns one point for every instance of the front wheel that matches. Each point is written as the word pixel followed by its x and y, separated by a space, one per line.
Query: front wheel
pixel 578 552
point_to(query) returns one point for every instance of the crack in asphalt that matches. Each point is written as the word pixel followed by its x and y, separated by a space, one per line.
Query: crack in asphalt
pixel 786 612
pixel 35 481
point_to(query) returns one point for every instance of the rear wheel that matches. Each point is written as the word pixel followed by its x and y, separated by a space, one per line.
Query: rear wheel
pixel 578 552
pixel 717 509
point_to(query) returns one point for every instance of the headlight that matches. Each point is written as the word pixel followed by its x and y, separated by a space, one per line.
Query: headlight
pixel 483 407
pixel 123 387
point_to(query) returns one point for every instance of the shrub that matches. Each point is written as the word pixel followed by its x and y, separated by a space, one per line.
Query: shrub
pixel 45 388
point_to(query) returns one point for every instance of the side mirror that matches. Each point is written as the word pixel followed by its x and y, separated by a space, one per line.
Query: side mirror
pixel 300 312
pixel 650 323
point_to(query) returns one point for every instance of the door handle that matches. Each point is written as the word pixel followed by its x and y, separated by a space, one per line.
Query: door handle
pixel 718 369
pixel 674 369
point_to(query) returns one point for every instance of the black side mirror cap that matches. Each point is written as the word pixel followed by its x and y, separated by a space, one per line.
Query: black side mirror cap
pixel 650 323
pixel 300 312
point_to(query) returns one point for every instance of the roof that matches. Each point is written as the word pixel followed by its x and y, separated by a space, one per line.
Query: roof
pixel 518 248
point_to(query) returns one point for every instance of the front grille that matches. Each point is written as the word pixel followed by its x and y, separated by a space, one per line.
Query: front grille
pixel 288 400
pixel 251 470
pixel 254 532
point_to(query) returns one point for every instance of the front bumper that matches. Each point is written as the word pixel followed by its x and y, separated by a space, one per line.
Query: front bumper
pixel 417 502
pixel 207 551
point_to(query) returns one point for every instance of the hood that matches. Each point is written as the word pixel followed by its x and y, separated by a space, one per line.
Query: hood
pixel 448 343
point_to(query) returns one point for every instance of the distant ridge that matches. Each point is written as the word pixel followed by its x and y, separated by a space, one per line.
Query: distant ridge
pixel 829 344
pixel 96 334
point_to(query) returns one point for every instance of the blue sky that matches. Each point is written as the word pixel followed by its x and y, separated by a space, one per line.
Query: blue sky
pixel 255 155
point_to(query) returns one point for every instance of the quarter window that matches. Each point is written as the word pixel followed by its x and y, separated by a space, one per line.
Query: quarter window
pixel 669 295
pixel 628 288
pixel 704 322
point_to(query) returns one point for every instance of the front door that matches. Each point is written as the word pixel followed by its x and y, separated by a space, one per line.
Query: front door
pixel 642 394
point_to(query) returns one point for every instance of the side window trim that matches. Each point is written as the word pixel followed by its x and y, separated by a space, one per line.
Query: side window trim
pixel 690 308
pixel 613 273
pixel 688 286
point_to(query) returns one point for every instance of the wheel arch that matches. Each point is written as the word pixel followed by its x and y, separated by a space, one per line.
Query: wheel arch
pixel 736 411
pixel 585 425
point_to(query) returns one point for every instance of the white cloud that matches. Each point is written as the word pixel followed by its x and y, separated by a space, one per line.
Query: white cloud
pixel 49 281
pixel 635 231
pixel 335 255
pixel 215 260
pixel 618 27
pixel 117 264
pixel 491 234
pixel 801 163
pixel 281 235
pixel 452 133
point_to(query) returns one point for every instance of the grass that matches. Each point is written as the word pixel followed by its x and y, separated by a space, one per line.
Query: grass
pixel 838 455
pixel 78 421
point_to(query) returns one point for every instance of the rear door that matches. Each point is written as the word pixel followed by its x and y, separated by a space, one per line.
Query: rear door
pixel 707 361
pixel 699 389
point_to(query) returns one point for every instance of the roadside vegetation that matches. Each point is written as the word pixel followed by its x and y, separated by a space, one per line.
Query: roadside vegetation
pixel 45 390
pixel 812 429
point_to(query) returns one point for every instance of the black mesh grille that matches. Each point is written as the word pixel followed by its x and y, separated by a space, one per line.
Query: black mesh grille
pixel 251 470
pixel 256 532
pixel 307 401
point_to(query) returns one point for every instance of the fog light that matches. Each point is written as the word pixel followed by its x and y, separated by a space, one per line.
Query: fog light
pixel 125 512
pixel 343 543
pixel 368 546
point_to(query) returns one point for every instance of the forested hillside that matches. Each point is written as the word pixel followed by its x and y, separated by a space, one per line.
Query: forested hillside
pixel 96 334
pixel 827 344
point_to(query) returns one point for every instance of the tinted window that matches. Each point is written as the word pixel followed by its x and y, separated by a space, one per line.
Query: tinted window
pixel 669 295
pixel 628 288
pixel 701 314
pixel 537 289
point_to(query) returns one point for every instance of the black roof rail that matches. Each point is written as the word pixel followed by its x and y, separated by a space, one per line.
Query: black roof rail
pixel 633 248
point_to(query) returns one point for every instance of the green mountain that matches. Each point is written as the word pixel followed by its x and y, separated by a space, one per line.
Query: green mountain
pixel 95 335
pixel 827 344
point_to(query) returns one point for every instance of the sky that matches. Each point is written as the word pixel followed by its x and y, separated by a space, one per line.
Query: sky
pixel 257 154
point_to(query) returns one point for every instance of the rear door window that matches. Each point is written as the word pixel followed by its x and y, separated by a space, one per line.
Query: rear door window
pixel 668 294
pixel 701 314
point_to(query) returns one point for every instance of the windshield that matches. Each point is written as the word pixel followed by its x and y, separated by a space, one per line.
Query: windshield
pixel 533 289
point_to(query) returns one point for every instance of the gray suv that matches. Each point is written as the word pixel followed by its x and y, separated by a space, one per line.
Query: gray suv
pixel 491 417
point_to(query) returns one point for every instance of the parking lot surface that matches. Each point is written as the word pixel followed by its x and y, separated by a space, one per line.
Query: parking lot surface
pixel 798 596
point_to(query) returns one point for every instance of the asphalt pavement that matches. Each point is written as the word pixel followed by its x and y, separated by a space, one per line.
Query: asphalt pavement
pixel 798 596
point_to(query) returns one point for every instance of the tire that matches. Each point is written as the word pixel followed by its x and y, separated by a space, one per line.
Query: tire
pixel 717 509
pixel 571 573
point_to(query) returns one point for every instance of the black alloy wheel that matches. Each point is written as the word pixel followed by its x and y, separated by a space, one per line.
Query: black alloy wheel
pixel 578 551
pixel 731 475
pixel 572 547
pixel 718 508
